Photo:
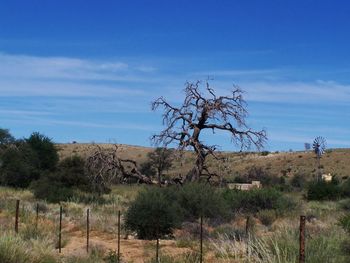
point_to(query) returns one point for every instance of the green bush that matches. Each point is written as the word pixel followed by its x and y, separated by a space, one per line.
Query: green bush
pixel 61 184
pixel 18 167
pixel 322 190
pixel 298 181
pixel 152 214
pixel 197 199
pixel 259 199
pixel 52 191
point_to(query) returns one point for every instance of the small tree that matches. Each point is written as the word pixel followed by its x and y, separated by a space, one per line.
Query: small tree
pixel 160 159
pixel 200 112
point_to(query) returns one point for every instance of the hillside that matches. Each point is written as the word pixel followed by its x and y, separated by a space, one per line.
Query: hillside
pixel 334 161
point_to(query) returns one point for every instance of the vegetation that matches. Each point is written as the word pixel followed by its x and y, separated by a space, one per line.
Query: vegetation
pixel 159 160
pixel 320 190
pixel 170 212
pixel 152 215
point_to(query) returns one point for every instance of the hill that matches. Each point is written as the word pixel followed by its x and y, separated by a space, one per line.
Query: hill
pixel 334 161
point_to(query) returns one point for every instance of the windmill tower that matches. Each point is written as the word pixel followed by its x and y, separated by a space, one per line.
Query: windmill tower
pixel 319 147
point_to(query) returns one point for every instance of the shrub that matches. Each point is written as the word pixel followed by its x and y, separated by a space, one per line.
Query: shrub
pixel 196 199
pixel 255 200
pixel 71 172
pixel 152 214
pixel 18 167
pixel 298 181
pixel 52 191
pixel 61 184
pixel 321 190
pixel 345 188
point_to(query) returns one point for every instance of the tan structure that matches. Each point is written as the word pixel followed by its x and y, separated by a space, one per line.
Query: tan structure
pixel 327 177
pixel 245 187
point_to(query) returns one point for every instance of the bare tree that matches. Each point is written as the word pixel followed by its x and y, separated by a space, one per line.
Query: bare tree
pixel 200 111
pixel 105 166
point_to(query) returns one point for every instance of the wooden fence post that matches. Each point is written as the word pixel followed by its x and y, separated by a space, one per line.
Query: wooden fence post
pixel 302 240
pixel 247 232
pixel 60 232
pixel 87 229
pixel 17 215
pixel 37 216
pixel 118 236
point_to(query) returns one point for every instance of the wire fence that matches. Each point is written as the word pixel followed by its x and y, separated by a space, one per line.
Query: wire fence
pixel 157 247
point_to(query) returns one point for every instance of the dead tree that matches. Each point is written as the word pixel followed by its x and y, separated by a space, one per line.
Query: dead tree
pixel 105 166
pixel 200 111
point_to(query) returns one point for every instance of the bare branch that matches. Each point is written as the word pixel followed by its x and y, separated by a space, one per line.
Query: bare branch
pixel 184 124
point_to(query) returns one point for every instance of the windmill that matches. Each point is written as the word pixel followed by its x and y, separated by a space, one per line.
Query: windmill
pixel 319 147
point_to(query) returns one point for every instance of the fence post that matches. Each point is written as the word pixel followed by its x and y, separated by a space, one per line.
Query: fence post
pixel 37 216
pixel 201 242
pixel 60 232
pixel 247 230
pixel 87 229
pixel 17 215
pixel 118 236
pixel 302 240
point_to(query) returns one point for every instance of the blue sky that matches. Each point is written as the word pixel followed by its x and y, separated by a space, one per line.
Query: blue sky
pixel 88 70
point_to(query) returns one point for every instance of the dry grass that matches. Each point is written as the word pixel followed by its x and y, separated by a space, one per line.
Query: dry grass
pixel 334 161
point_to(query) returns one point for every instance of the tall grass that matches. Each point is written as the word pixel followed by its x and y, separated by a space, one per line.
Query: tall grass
pixel 282 246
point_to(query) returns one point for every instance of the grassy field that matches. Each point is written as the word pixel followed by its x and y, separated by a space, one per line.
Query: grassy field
pixel 275 241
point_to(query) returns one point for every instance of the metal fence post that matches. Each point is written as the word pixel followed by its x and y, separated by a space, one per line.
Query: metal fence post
pixel 118 236
pixel 302 240
pixel 87 229
pixel 201 240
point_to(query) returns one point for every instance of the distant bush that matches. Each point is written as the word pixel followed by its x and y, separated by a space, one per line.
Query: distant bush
pixel 60 185
pixel 264 153
pixel 321 190
pixel 257 173
pixel 52 191
pixel 18 168
pixel 152 214
pixel 298 181
pixel 259 199
pixel 345 188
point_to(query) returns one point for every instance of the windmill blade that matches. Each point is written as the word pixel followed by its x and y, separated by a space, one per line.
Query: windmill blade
pixel 319 146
